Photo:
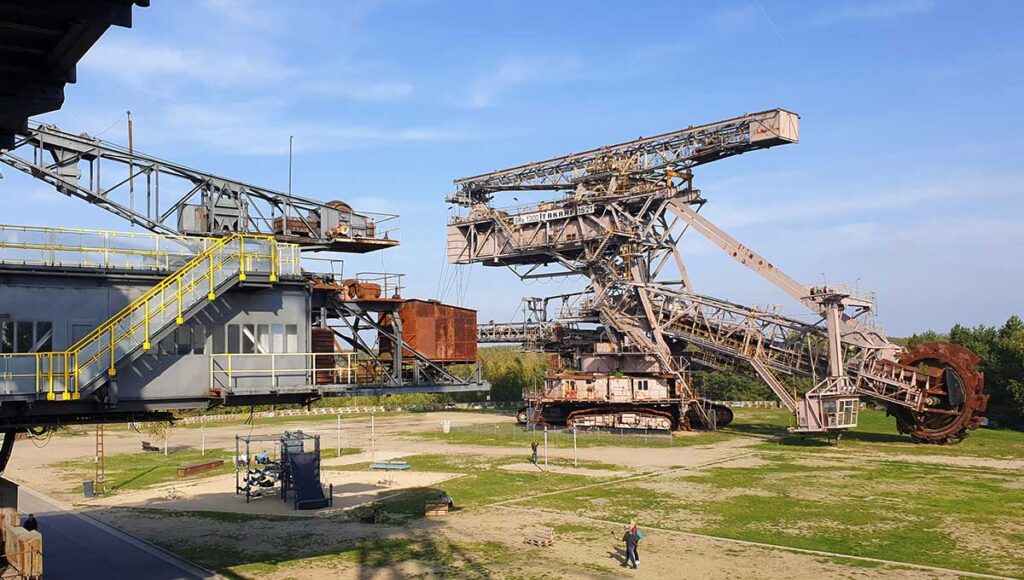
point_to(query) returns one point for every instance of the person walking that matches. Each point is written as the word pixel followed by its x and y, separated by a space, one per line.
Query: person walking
pixel 631 539
pixel 30 523
pixel 639 536
pixel 534 447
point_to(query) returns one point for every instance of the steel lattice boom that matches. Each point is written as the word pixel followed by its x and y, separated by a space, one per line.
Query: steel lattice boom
pixel 170 198
pixel 616 218
pixel 675 151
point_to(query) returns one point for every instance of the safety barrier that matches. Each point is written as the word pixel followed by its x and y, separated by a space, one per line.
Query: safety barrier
pixel 273 371
pixel 101 249
pixel 63 375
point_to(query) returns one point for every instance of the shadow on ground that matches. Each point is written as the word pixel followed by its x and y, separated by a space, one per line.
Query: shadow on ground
pixel 404 543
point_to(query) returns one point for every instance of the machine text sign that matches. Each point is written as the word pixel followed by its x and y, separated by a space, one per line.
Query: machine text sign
pixel 552 214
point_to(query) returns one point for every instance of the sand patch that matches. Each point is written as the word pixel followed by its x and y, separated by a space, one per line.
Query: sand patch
pixel 216 494
pixel 563 469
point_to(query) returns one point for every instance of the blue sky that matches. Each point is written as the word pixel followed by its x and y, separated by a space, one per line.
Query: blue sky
pixel 907 180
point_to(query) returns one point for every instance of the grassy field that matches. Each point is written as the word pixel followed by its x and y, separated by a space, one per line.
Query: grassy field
pixel 876 433
pixel 510 435
pixel 131 471
pixel 923 514
pixel 877 495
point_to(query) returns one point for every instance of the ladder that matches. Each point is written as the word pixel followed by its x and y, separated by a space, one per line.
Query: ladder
pixel 93 360
pixel 100 485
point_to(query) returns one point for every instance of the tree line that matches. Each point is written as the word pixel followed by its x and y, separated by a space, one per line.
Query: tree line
pixel 1001 350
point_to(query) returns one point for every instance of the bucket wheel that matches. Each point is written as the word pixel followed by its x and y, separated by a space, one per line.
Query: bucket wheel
pixel 956 406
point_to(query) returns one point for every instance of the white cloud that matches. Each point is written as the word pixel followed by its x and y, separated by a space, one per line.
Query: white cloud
pixel 849 202
pixel 263 128
pixel 163 69
pixel 519 71
pixel 364 90
pixel 254 14
pixel 137 62
pixel 869 10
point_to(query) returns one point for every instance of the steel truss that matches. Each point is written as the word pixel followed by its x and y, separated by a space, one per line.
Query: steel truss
pixel 153 193
pixel 618 223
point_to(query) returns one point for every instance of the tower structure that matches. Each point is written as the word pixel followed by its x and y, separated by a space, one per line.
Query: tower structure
pixel 615 216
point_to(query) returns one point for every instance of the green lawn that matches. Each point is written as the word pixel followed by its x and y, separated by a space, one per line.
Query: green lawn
pixel 483 481
pixel 129 471
pixel 511 435
pixel 877 433
pixel 966 519
pixel 860 499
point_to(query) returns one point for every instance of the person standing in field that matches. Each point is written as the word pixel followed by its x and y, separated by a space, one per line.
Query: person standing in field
pixel 534 447
pixel 631 538
pixel 639 536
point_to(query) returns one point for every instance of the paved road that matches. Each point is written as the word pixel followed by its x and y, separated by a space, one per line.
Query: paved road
pixel 79 547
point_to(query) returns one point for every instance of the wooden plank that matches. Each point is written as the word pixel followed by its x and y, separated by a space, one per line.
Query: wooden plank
pixel 200 467
pixel 542 538
pixel 436 508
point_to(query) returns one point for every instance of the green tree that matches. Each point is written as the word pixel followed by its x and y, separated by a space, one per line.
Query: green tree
pixel 1002 360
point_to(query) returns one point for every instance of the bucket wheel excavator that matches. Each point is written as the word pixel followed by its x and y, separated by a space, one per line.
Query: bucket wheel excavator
pixel 626 343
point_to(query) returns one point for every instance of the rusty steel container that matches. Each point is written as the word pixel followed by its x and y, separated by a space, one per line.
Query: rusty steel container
pixel 323 341
pixel 440 332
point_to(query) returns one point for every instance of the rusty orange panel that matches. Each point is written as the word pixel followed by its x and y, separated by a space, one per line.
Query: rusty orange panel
pixel 440 332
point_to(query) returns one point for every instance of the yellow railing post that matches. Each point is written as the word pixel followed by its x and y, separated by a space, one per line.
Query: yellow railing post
pixel 179 319
pixel 51 395
pixel 241 259
pixel 211 295
pixel 113 371
pixel 274 261
pixel 145 340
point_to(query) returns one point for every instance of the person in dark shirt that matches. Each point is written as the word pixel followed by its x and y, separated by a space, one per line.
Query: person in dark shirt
pixel 30 523
pixel 534 446
pixel 631 537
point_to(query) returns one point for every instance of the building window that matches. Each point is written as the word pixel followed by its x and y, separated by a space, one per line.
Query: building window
pixel 291 338
pixel 642 385
pixel 234 339
pixel 248 338
pixel 277 338
pixel 44 337
pixel 166 345
pixel 183 339
pixel 263 338
pixel 6 336
pixel 217 331
pixel 198 339
pixel 24 336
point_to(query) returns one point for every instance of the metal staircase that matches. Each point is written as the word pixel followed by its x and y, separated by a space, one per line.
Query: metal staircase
pixel 93 361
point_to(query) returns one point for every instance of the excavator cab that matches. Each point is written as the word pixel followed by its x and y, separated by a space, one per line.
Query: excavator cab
pixel 825 413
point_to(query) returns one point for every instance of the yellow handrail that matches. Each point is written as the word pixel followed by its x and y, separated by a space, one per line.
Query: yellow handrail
pixel 212 256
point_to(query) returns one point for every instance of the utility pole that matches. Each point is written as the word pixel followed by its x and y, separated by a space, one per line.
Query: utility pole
pixel 131 167
pixel 339 434
pixel 202 430
pixel 373 438
pixel 545 446
pixel 290 139
pixel 574 459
